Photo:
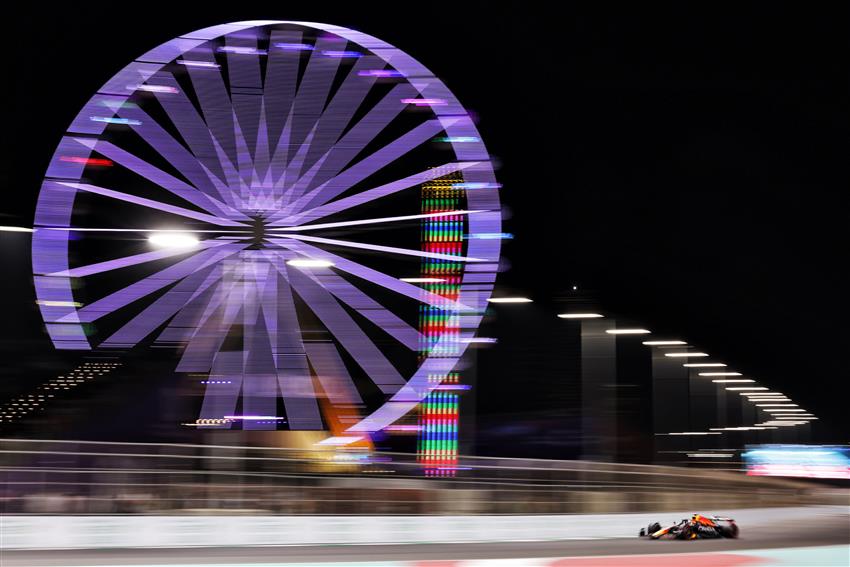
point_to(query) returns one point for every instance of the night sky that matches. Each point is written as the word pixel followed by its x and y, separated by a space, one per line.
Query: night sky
pixel 684 168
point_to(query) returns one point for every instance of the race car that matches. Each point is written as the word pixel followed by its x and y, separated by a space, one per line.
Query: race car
pixel 698 527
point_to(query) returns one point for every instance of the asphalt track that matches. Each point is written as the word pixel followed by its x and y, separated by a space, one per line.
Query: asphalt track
pixel 833 530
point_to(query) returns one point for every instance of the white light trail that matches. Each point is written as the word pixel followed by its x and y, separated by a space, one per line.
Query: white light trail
pixel 627 331
pixel 580 315
pixel 310 263
pixel 173 240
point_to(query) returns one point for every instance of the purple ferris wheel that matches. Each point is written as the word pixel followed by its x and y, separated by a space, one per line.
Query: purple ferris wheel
pixel 249 195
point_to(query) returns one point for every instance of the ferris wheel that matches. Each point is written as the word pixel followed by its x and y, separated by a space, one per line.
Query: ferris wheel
pixel 249 194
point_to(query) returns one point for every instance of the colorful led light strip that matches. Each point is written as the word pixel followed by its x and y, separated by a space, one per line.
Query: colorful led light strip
pixel 438 416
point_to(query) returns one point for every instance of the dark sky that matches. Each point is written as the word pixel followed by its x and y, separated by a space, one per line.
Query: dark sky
pixel 685 166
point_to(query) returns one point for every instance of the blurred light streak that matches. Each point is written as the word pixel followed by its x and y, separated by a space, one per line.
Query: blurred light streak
pixel 295 46
pixel 581 316
pixel 737 388
pixel 380 73
pixel 477 185
pixel 15 229
pixel 424 101
pixel 98 162
pixel 509 300
pixel 173 240
pixel 199 64
pixel 422 280
pixel 664 343
pixel 342 54
pixel 49 303
pixel 113 120
pixel 241 50
pixel 725 381
pixel 720 374
pixel 628 331
pixel 162 89
pixel 703 364
pixel 310 263
pixel 685 354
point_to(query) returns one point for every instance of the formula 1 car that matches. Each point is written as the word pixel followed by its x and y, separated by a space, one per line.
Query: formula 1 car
pixel 698 527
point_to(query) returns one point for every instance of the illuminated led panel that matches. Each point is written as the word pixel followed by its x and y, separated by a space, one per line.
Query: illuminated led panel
pixel 439 324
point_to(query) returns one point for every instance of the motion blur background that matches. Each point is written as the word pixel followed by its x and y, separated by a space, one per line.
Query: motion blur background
pixel 679 168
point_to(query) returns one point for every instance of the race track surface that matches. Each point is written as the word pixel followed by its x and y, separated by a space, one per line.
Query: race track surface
pixel 833 530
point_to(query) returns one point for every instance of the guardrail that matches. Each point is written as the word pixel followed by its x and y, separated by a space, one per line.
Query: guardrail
pixel 91 477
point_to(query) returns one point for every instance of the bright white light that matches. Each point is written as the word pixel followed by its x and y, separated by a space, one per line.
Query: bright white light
pixel 719 373
pixel 422 280
pixel 509 300
pixel 173 240
pixel 15 229
pixel 684 354
pixel 50 303
pixel 736 388
pixel 703 364
pixel 627 331
pixel 786 411
pixel 310 263
pixel 724 381
pixel 777 406
pixel 580 315
pixel 664 343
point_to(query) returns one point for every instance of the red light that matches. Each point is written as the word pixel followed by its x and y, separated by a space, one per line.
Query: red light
pixel 87 161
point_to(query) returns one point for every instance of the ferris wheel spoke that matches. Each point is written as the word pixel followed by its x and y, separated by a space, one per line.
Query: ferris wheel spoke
pixel 314 88
pixel 379 248
pixel 153 283
pixel 157 313
pixel 348 333
pixel 379 278
pixel 373 194
pixel 349 96
pixel 136 259
pixel 188 122
pixel 213 99
pixel 369 165
pixel 282 71
pixel 370 309
pixel 333 375
pixel 293 167
pixel 150 203
pixel 162 179
pixel 246 84
pixel 200 352
pixel 402 218
pixel 245 163
pixel 196 310
pixel 220 399
pixel 290 358
pixel 353 142
pixel 165 145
